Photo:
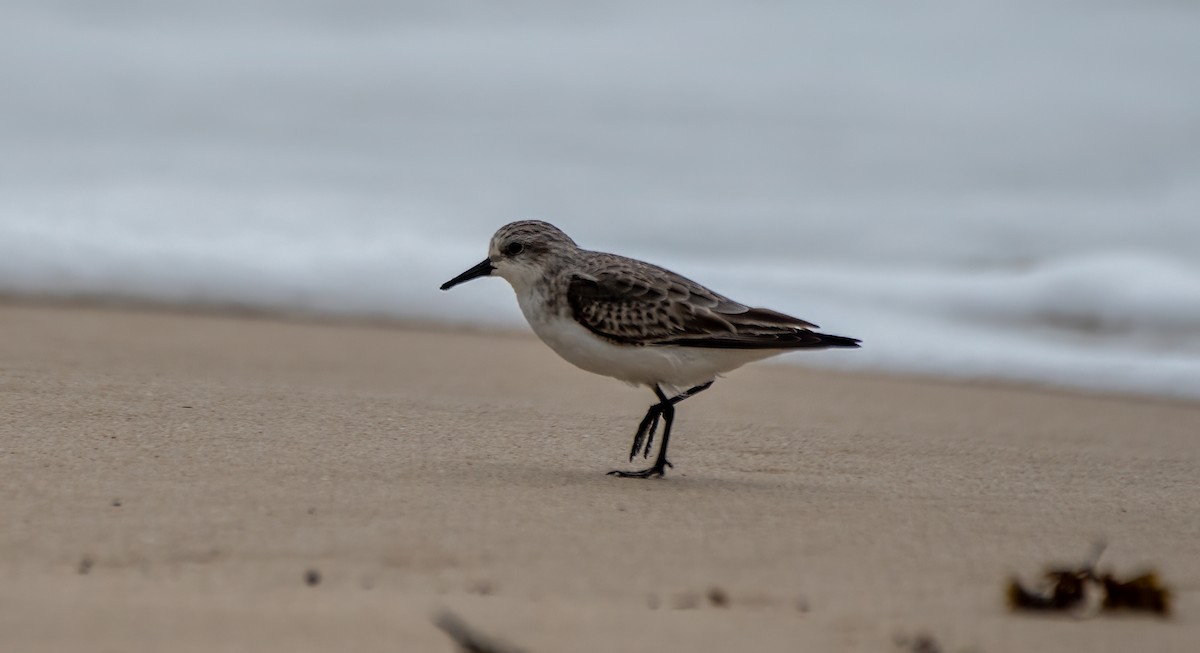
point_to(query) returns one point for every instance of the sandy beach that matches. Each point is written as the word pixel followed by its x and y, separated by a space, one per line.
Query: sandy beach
pixel 168 480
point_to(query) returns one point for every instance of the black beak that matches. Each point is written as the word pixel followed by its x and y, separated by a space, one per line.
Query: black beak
pixel 482 270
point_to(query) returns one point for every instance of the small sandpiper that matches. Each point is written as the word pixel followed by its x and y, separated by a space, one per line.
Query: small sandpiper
pixel 636 322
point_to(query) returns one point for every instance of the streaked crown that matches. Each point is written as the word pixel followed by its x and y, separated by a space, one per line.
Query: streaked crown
pixel 529 237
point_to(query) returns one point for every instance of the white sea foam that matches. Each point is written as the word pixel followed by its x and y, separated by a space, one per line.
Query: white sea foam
pixel 1006 190
pixel 1114 322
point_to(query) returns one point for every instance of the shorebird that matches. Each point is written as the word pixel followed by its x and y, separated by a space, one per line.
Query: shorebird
pixel 636 322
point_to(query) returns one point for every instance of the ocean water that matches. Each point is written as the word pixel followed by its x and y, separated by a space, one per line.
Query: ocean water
pixel 976 189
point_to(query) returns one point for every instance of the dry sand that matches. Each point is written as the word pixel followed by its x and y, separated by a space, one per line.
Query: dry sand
pixel 168 480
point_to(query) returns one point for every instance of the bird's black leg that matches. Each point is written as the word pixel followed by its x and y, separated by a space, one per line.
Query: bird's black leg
pixel 646 428
pixel 672 401
pixel 666 410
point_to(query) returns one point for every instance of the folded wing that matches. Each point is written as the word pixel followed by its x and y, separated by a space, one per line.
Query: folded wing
pixel 635 303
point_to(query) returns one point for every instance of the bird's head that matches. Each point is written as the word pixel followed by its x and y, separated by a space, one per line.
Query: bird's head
pixel 520 252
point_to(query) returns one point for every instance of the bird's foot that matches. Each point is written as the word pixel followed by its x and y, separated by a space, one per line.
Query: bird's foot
pixel 657 471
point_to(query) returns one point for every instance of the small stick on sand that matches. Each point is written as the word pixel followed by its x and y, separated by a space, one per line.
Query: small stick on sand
pixel 468 639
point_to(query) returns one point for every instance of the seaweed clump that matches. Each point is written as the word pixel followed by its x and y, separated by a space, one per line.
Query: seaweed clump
pixel 1084 591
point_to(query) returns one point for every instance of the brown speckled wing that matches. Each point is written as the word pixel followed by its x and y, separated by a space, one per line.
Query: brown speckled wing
pixel 632 302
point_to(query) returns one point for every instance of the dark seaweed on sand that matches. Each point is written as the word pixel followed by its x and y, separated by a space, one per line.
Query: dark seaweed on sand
pixel 1143 592
pixel 1068 590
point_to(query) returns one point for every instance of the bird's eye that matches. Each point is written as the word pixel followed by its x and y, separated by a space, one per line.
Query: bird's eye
pixel 512 249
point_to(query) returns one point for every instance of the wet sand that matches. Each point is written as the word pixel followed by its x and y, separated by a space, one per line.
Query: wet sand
pixel 167 481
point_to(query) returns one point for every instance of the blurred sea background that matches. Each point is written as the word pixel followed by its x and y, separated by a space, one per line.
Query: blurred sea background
pixel 977 189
